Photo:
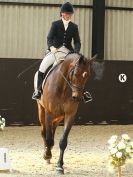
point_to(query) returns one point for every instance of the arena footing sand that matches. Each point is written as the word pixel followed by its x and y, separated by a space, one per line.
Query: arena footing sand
pixel 86 153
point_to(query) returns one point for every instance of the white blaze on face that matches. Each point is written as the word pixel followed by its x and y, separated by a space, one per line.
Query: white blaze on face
pixel 84 74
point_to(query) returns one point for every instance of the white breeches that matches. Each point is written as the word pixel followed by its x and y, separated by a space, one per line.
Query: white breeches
pixel 54 59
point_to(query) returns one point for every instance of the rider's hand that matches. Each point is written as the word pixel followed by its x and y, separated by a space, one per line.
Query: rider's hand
pixel 53 49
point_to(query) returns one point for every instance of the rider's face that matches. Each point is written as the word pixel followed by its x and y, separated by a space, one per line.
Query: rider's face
pixel 66 16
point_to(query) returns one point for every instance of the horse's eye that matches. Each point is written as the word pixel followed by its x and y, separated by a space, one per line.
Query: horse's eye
pixel 84 74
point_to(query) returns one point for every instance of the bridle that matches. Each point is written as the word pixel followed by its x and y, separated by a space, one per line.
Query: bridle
pixel 69 82
pixel 77 87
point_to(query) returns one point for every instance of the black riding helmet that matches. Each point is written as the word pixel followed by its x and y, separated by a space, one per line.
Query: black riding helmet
pixel 67 7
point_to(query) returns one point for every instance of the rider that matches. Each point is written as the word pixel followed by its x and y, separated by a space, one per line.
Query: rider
pixel 61 34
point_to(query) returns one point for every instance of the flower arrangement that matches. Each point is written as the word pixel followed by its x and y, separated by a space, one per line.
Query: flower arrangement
pixel 2 123
pixel 121 149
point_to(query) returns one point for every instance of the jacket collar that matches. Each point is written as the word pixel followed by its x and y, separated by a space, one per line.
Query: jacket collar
pixel 62 25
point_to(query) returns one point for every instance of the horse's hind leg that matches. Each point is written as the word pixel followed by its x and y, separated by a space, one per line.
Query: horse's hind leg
pixel 41 112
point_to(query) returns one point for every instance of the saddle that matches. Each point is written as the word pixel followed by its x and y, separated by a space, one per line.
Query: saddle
pixel 60 55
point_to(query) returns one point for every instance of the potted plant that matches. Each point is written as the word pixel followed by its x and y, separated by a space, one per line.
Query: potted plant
pixel 2 123
pixel 121 149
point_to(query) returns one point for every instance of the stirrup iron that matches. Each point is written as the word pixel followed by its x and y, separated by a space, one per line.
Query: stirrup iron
pixel 87 97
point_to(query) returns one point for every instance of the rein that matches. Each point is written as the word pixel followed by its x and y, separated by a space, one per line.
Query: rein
pixel 70 84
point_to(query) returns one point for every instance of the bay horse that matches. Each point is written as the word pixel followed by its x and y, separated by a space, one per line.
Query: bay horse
pixel 62 92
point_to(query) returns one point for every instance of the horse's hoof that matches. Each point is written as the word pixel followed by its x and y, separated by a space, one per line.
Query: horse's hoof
pixel 60 170
pixel 47 161
pixel 46 157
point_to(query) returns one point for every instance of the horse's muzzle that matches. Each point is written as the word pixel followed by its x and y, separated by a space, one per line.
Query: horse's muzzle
pixel 77 95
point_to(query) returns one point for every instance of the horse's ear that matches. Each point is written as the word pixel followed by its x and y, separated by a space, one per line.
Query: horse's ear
pixel 92 58
pixel 81 59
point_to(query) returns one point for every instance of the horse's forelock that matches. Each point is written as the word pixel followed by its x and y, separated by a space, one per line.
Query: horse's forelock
pixel 82 59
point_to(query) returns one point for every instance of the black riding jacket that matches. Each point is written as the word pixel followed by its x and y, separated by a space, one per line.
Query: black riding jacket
pixel 58 37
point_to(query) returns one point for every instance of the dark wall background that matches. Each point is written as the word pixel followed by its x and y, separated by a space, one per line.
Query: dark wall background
pixel 112 100
pixel 15 92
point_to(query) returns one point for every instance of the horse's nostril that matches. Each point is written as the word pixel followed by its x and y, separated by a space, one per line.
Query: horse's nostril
pixel 74 97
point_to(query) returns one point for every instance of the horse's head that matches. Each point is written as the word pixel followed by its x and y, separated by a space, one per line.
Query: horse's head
pixel 78 75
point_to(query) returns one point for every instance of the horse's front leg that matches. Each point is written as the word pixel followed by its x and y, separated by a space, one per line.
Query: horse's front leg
pixel 63 142
pixel 41 114
pixel 49 137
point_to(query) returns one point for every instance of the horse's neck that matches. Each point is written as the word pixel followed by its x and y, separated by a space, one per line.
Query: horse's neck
pixel 65 66
pixel 64 69
pixel 62 81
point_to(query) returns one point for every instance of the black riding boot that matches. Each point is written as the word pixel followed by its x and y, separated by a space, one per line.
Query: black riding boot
pixel 37 93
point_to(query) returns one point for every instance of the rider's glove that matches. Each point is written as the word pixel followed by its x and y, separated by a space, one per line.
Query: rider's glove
pixel 53 49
